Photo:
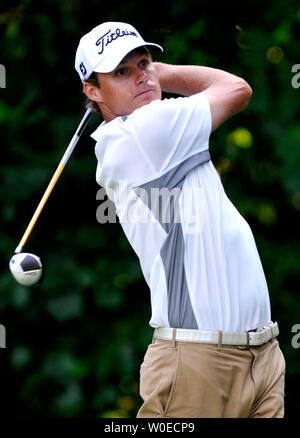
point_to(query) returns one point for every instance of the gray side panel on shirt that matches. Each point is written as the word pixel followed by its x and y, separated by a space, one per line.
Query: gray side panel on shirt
pixel 180 311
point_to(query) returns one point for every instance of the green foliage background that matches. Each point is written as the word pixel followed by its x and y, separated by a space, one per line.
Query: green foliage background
pixel 74 345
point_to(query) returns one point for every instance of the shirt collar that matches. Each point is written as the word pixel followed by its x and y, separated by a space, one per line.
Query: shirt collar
pixel 96 134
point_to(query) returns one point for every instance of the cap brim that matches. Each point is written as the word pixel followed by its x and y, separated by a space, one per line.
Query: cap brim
pixel 113 63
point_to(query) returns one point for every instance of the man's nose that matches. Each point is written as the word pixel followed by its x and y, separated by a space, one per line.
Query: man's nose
pixel 141 75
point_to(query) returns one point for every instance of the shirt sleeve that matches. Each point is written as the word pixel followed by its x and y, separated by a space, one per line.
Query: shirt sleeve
pixel 172 130
pixel 153 139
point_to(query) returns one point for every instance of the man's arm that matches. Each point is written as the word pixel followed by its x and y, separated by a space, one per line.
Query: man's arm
pixel 227 94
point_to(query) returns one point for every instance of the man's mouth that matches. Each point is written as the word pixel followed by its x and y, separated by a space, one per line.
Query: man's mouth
pixel 145 92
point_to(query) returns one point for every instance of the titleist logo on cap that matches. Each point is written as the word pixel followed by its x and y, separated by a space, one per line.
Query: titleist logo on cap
pixel 112 36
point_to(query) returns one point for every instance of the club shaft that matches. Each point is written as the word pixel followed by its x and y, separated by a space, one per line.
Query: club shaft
pixel 54 179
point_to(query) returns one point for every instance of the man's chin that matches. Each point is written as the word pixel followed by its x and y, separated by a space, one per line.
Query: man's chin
pixel 138 103
pixel 145 98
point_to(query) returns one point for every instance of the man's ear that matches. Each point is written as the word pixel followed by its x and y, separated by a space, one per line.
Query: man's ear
pixel 92 92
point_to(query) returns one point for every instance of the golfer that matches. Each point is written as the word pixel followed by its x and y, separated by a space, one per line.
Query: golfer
pixel 214 351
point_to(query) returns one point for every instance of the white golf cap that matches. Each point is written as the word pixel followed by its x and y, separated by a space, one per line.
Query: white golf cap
pixel 103 48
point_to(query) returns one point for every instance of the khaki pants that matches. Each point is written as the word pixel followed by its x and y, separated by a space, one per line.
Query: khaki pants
pixel 193 380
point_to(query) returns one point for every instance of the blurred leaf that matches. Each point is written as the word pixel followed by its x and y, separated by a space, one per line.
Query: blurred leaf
pixel 240 137
pixel 65 307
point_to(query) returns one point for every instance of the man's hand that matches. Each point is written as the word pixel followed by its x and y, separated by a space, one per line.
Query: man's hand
pixel 227 94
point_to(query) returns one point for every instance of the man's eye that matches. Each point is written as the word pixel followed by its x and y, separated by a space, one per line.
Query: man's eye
pixel 120 72
pixel 143 63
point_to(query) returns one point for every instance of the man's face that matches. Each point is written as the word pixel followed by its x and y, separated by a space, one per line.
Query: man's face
pixel 132 84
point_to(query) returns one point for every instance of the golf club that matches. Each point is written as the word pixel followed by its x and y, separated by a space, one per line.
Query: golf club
pixel 26 267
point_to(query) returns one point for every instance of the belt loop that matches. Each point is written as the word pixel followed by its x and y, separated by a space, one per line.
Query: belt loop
pixel 220 341
pixel 248 340
pixel 174 337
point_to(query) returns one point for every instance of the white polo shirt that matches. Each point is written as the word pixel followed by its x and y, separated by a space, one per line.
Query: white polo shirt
pixel 196 251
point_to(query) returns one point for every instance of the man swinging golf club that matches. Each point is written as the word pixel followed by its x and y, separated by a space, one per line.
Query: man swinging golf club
pixel 214 351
